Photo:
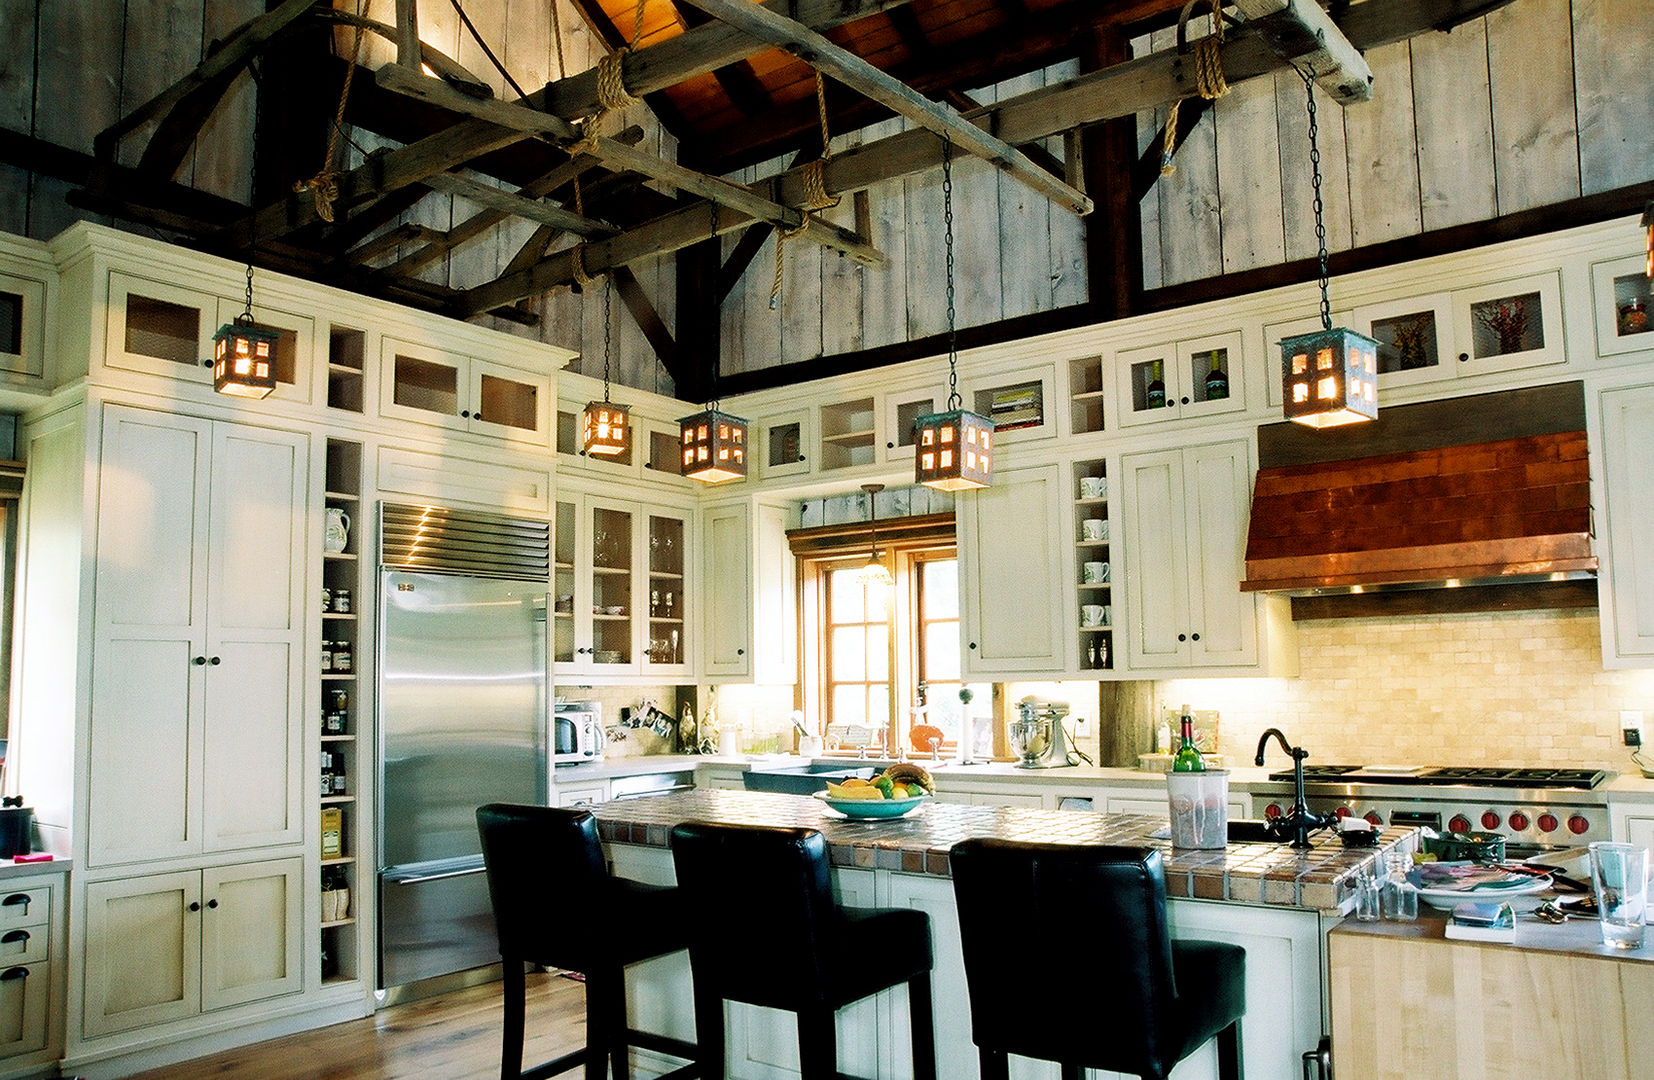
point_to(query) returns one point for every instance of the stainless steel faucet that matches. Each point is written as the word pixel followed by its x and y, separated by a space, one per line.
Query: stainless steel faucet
pixel 1299 822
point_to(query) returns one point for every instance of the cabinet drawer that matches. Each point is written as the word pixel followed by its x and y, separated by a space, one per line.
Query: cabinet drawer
pixel 23 993
pixel 30 906
pixel 25 945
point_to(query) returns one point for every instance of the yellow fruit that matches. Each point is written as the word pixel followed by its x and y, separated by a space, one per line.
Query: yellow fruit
pixel 846 791
pixel 856 781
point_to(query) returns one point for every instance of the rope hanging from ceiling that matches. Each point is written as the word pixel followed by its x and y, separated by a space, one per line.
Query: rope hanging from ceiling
pixel 612 95
pixel 1209 81
pixel 816 197
pixel 324 186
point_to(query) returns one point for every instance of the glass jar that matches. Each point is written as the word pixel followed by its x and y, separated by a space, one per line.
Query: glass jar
pixel 1401 896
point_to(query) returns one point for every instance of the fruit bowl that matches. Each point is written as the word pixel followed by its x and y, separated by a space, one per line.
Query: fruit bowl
pixel 870 808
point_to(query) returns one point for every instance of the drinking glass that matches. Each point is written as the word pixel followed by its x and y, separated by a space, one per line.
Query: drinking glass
pixel 1619 875
pixel 1366 897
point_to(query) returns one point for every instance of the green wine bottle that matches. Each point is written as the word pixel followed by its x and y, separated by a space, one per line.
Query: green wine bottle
pixel 1188 757
pixel 1154 395
pixel 1217 381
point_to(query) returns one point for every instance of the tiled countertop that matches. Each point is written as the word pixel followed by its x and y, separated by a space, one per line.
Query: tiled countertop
pixel 1273 874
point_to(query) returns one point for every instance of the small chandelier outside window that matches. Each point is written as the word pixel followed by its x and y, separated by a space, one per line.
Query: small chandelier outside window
pixel 953 449
pixel 1329 377
pixel 875 573
pixel 714 446
pixel 605 428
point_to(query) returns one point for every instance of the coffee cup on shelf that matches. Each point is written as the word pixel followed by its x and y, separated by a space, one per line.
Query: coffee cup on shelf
pixel 1095 573
pixel 1093 487
pixel 1093 615
pixel 1094 529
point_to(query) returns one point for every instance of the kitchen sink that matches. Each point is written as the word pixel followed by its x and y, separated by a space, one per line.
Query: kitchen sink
pixel 808 778
pixel 1249 831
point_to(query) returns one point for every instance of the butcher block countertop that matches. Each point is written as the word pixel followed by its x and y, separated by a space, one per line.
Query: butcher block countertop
pixel 1269 874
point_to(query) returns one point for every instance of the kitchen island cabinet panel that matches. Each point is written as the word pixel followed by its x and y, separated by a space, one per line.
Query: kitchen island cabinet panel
pixel 1010 545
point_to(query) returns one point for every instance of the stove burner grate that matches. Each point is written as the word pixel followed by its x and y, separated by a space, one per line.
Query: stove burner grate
pixel 1484 776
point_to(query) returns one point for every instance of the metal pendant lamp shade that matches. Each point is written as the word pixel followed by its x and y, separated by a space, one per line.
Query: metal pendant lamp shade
pixel 244 358
pixel 714 446
pixel 605 428
pixel 875 573
pixel 952 449
pixel 1329 377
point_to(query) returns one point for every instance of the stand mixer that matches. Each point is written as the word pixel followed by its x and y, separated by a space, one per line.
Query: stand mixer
pixel 1038 736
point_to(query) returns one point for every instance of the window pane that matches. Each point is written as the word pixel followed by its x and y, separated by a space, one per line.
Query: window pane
pixel 850 704
pixel 849 659
pixel 878 708
pixel 846 597
pixel 878 653
pixel 942 700
pixel 942 652
pixel 941 589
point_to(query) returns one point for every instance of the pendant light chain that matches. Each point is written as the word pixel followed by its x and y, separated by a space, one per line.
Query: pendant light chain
pixel 608 292
pixel 954 400
pixel 252 183
pixel 1315 184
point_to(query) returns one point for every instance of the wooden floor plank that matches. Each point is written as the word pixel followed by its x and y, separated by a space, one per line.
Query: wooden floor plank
pixel 454 1037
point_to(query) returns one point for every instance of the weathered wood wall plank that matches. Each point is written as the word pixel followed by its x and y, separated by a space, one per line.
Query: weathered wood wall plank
pixel 922 267
pixel 1613 44
pixel 1384 172
pixel 1453 125
pixel 1531 75
pixel 1148 134
pixel 1297 185
pixel 842 279
pixel 884 292
pixel 1249 177
pixel 222 149
pixel 163 40
pixel 1191 228
pixel 17 73
pixel 1066 243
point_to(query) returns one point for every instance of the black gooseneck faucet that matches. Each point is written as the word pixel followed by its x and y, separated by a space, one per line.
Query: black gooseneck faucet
pixel 1299 822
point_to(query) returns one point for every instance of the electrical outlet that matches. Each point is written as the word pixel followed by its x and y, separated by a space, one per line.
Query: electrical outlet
pixel 1631 726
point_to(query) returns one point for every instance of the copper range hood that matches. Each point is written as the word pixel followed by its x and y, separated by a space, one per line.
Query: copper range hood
pixel 1472 491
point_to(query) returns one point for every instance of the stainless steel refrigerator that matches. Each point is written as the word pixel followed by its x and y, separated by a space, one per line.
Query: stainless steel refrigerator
pixel 463 705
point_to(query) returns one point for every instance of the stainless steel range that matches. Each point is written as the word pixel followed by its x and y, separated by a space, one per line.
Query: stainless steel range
pixel 1535 809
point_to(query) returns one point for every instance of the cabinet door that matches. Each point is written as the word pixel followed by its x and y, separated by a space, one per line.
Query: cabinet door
pixel 666 647
pixel 23 310
pixel 613 560
pixel 1509 325
pixel 252 756
pixel 1012 568
pixel 250 947
pixel 1156 570
pixel 726 568
pixel 1627 594
pixel 24 989
pixel 159 329
pixel 149 637
pixel 509 404
pixel 423 384
pixel 1223 621
pixel 143 951
pixel 570 590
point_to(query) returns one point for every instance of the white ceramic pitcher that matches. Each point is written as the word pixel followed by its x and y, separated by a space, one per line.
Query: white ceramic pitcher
pixel 337 533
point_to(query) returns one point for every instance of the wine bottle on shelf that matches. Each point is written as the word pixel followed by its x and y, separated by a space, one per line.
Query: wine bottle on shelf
pixel 1217 382
pixel 1154 395
pixel 1188 757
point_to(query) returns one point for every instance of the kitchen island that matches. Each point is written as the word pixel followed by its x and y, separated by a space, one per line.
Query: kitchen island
pixel 1275 902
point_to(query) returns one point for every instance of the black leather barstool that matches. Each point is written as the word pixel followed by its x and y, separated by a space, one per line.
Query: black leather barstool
pixel 1117 993
pixel 547 879
pixel 737 877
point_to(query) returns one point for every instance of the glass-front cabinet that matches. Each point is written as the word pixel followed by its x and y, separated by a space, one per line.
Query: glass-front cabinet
pixel 620 594
pixel 463 393
pixel 1623 296
pixel 1199 377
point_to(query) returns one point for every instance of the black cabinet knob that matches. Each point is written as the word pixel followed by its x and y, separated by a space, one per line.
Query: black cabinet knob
pixel 972 645
pixel 1194 637
pixel 465 414
pixel 195 905
pixel 212 903
pixel 740 652
pixel 199 660
pixel 1464 357
pixel 1182 637
pixel 801 457
pixel 890 446
pixel 1184 401
pixel 215 661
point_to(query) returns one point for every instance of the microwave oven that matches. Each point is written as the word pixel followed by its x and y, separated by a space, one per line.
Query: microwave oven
pixel 576 732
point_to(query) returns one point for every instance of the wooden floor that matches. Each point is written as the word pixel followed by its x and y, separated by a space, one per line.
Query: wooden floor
pixel 452 1037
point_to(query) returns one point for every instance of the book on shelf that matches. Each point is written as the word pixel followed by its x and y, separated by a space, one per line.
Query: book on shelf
pixel 1472 921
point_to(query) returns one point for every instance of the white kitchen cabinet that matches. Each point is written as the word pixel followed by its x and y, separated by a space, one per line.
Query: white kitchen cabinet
pixel 23 350
pixel 748 623
pixel 1626 587
pixel 1185 516
pixel 196 705
pixel 1182 368
pixel 463 393
pixel 621 589
pixel 1622 296
pixel 587 793
pixel 33 954
pixel 164 947
pixel 1012 573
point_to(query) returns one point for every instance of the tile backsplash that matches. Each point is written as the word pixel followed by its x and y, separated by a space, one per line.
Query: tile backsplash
pixel 1507 688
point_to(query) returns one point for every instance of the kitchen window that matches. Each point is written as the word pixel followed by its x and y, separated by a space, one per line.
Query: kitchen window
pixel 874 652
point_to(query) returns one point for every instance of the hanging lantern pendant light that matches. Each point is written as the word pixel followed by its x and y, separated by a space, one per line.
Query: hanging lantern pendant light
pixel 953 449
pixel 1329 377
pixel 605 427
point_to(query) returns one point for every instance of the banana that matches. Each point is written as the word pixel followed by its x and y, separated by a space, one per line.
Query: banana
pixel 908 773
pixel 839 791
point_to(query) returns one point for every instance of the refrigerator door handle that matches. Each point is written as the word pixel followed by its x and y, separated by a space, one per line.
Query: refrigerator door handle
pixel 443 875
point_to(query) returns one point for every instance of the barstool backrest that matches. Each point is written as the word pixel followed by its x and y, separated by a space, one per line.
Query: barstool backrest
pixel 740 879
pixel 546 877
pixel 1067 949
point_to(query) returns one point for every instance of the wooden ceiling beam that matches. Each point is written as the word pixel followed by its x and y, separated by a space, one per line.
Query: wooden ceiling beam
pixel 1122 90
pixel 655 330
pixel 868 80
pixel 1305 36
pixel 517 205
pixel 908 29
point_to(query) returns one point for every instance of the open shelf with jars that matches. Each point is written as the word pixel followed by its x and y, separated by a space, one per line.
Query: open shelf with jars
pixel 341 766
pixel 1093 569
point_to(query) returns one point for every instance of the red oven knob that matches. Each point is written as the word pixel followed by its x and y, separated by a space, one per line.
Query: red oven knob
pixel 1374 818
pixel 1273 811
pixel 1342 812
pixel 1460 823
pixel 1518 820
pixel 1548 822
pixel 1490 820
pixel 1578 825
